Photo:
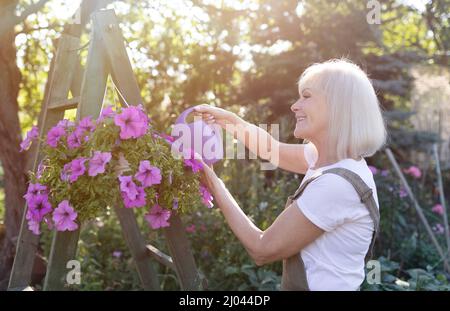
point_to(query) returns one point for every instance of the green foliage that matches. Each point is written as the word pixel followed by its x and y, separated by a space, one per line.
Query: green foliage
pixel 393 278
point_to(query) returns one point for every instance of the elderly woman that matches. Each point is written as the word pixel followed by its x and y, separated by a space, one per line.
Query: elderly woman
pixel 327 228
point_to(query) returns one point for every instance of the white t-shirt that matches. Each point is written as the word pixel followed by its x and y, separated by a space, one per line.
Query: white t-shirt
pixel 335 260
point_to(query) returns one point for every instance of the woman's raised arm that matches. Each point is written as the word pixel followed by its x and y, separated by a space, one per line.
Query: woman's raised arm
pixel 286 156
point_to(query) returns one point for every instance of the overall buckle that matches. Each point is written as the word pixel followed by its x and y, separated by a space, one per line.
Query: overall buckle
pixel 366 195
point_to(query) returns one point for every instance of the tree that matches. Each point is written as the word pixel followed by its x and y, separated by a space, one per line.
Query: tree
pixel 12 160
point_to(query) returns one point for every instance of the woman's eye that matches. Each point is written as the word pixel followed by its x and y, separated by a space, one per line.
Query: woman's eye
pixel 306 96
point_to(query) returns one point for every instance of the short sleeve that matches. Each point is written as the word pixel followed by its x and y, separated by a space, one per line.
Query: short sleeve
pixel 329 201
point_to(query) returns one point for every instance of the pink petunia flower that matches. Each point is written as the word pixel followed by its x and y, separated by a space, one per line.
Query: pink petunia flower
pixel 64 123
pixel 128 186
pixel 402 193
pixel 413 171
pixel 373 169
pixel 195 164
pixel 54 135
pixel 31 135
pixel 86 124
pixel 133 122
pixel 207 198
pixel 438 209
pixel 117 254
pixel 191 228
pixel 33 191
pixel 107 112
pixel 137 201
pixel 168 138
pixel 98 162
pixel 158 217
pixel 38 207
pixel 75 139
pixel 148 174
pixel 34 226
pixel 439 229
pixel 77 169
pixel 65 172
pixel 64 217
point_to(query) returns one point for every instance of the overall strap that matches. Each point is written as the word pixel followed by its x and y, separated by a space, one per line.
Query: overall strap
pixel 365 193
pixel 302 187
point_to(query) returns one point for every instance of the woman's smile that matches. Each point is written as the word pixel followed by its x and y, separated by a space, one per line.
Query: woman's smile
pixel 300 118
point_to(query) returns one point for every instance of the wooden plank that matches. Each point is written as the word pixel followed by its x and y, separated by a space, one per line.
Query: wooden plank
pixel 95 77
pixel 65 104
pixel 180 249
pixel 59 87
pixel 189 277
pixel 77 81
pixel 127 82
pixel 121 70
pixel 136 244
pixel 64 247
pixel 19 277
pixel 162 258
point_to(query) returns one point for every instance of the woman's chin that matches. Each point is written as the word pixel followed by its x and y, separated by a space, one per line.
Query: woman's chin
pixel 298 133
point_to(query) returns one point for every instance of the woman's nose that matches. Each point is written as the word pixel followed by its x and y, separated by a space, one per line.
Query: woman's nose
pixel 295 106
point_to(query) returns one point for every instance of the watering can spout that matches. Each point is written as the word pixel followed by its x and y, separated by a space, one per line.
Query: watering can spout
pixel 202 138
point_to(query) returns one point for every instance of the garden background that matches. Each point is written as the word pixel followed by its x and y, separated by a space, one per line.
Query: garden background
pixel 246 56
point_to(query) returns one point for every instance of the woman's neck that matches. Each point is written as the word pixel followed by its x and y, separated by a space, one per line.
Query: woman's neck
pixel 324 158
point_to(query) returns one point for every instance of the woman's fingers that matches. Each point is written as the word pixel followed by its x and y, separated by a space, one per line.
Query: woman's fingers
pixel 202 108
pixel 203 114
pixel 206 116
pixel 210 114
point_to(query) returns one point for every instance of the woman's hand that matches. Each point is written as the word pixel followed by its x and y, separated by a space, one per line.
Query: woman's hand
pixel 207 175
pixel 211 114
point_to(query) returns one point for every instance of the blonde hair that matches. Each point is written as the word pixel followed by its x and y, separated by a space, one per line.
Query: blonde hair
pixel 356 127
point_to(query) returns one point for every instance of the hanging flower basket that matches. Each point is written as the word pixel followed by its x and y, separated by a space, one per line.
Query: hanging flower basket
pixel 116 159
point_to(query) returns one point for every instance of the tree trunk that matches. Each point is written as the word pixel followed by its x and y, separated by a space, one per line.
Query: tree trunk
pixel 12 160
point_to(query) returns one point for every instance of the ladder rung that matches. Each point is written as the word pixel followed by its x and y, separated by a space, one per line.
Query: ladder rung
pixel 65 103
pixel 160 256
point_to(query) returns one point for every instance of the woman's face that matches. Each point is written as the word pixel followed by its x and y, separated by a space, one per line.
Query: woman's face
pixel 311 113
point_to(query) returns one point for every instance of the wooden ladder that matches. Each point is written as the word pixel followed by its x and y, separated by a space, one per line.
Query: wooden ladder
pixel 106 56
